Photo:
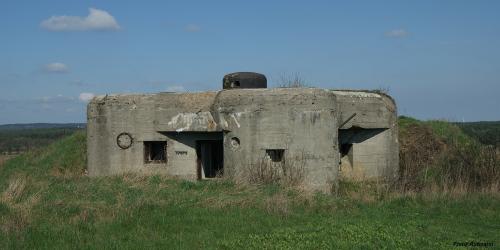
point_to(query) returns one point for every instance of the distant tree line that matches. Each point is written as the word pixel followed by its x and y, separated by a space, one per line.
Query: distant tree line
pixel 485 132
pixel 14 141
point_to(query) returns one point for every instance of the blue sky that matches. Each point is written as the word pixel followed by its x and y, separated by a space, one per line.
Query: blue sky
pixel 439 59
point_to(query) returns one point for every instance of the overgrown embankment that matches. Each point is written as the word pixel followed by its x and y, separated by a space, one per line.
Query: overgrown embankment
pixel 46 201
pixel 437 156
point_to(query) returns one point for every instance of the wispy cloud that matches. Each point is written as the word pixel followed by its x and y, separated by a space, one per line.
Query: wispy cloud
pixel 96 20
pixel 86 97
pixel 192 28
pixel 397 33
pixel 56 67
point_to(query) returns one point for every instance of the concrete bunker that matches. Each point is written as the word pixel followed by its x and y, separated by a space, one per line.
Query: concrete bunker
pixel 224 133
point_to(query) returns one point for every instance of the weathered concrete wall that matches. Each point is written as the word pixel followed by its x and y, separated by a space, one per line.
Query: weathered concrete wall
pixel 372 110
pixel 370 156
pixel 144 117
pixel 106 118
pixel 302 121
pixel 375 155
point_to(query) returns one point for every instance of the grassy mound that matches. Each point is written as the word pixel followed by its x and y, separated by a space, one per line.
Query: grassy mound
pixel 437 156
pixel 46 201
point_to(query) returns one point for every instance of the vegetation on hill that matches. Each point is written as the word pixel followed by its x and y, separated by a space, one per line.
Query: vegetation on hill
pixel 46 201
pixel 437 156
pixel 14 140
pixel 19 126
pixel 486 132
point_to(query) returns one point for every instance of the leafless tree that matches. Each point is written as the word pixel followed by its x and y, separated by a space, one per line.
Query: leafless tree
pixel 293 80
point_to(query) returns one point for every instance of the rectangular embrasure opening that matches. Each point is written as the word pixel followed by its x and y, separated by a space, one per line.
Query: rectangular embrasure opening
pixel 275 155
pixel 155 152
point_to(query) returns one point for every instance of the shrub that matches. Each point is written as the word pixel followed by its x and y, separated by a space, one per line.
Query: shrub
pixel 437 156
pixel 289 172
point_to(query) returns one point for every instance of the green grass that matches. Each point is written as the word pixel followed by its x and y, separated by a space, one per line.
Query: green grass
pixel 46 203
pixel 445 130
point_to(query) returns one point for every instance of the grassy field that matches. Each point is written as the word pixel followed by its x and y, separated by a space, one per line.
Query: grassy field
pixel 46 202
pixel 4 158
pixel 17 139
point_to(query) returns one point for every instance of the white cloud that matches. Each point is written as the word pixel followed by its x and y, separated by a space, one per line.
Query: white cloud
pixel 192 28
pixel 176 88
pixel 86 97
pixel 397 33
pixel 56 67
pixel 96 20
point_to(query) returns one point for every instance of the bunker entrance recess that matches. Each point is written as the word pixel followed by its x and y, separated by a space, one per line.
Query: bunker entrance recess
pixel 210 158
pixel 355 144
pixel 199 153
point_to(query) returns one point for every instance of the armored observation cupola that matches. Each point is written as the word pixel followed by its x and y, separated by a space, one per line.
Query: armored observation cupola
pixel 244 80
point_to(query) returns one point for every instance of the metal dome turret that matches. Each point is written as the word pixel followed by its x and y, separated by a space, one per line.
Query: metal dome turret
pixel 244 80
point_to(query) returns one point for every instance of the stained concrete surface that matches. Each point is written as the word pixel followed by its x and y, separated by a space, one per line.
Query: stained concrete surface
pixel 303 122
